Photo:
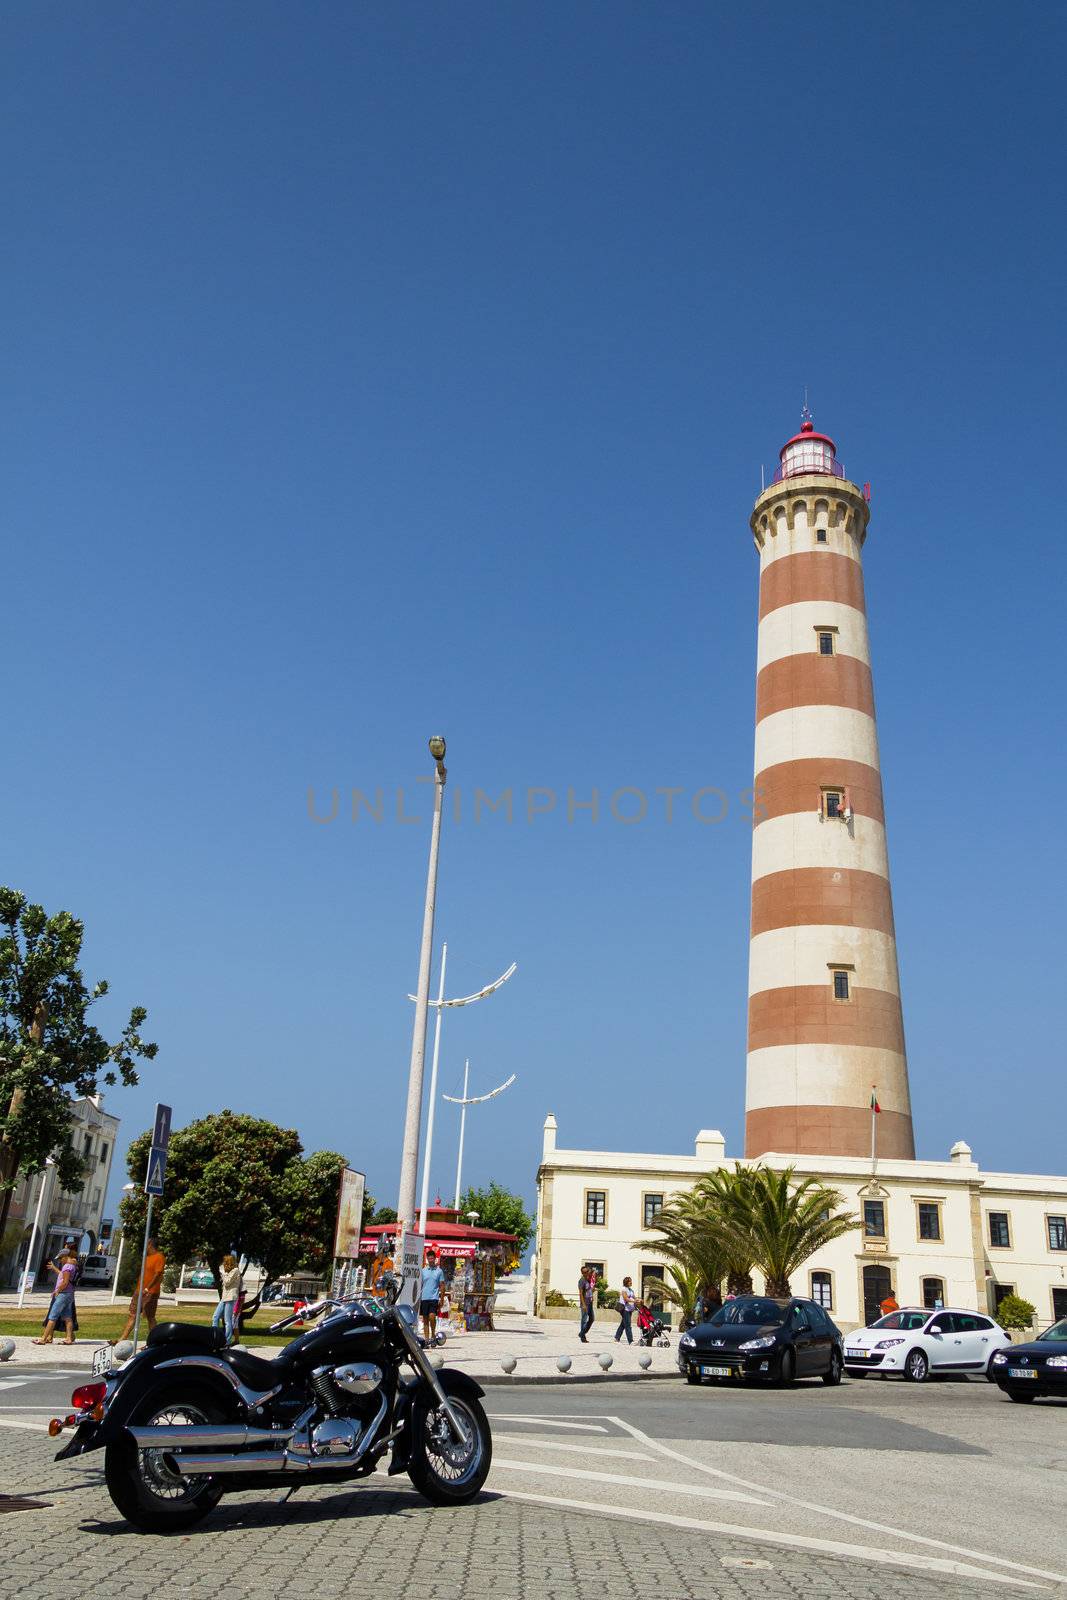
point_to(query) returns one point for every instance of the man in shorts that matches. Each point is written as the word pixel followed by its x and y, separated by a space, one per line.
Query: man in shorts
pixel 430 1294
pixel 151 1284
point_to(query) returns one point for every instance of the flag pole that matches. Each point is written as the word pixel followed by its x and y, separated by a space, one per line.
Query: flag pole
pixel 874 1125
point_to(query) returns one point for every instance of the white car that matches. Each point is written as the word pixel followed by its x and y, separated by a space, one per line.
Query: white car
pixel 97 1269
pixel 913 1343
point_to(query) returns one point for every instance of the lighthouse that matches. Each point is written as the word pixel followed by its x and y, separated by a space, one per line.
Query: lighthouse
pixel 825 1024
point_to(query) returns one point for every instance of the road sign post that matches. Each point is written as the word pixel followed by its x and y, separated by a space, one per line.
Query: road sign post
pixel 155 1173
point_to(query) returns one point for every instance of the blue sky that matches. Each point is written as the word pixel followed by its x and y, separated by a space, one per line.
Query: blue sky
pixel 371 371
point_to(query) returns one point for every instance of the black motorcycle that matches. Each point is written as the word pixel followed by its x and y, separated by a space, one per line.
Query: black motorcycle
pixel 187 1420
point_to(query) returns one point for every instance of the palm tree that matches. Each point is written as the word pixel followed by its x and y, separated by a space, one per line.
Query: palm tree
pixel 682 1285
pixel 715 1197
pixel 777 1222
pixel 694 1246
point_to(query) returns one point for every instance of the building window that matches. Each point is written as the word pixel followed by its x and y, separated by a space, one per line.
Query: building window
pixel 103 1154
pixel 652 1207
pixel 598 1268
pixel 874 1219
pixel 1059 1304
pixel 999 1236
pixel 1001 1291
pixel 840 984
pixel 933 1293
pixel 929 1219
pixel 826 642
pixel 652 1286
pixel 833 803
pixel 596 1208
pixel 820 536
pixel 1057 1233
pixel 822 1290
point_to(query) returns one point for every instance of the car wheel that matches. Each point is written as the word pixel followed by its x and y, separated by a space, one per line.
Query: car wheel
pixel 836 1368
pixel 916 1367
pixel 692 1375
pixel 788 1369
pixel 1021 1397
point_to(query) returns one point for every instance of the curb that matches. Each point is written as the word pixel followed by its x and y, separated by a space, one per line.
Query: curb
pixel 490 1380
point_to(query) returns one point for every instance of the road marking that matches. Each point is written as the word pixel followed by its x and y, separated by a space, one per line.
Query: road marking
pixel 582 1449
pixel 830 1511
pixel 696 1490
pixel 544 1422
pixel 12 1383
pixel 32 1427
pixel 792 1541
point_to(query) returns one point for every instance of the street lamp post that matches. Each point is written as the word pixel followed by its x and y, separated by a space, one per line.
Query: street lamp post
pixel 474 1100
pixel 28 1270
pixel 413 1115
pixel 126 1188
pixel 441 1005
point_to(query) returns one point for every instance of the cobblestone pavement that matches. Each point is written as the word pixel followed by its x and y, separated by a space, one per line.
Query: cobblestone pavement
pixel 384 1537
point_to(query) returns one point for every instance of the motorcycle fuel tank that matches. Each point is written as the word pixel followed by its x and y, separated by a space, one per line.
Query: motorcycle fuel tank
pixel 339 1339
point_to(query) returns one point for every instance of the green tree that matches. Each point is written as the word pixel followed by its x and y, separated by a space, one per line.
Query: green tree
pixel 377 1213
pixel 498 1208
pixel 780 1223
pixel 50 1053
pixel 238 1183
pixel 690 1241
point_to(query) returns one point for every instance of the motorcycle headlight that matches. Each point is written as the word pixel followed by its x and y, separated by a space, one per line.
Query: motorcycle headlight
pixel 999 1359
pixel 887 1344
pixel 1056 1361
pixel 758 1344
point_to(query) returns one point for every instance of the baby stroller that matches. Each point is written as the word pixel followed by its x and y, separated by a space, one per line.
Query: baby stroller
pixel 652 1329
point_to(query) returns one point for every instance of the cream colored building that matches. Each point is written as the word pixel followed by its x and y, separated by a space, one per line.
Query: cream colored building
pixel 932 1230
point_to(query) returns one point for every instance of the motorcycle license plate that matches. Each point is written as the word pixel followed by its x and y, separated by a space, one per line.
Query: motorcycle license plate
pixel 857 1355
pixel 716 1372
pixel 102 1360
pixel 1021 1372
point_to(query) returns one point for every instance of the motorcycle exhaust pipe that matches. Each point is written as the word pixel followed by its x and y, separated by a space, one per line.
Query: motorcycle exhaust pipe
pixel 188 1436
pixel 207 1466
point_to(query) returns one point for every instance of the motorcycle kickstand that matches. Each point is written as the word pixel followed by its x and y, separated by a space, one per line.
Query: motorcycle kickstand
pixel 289 1493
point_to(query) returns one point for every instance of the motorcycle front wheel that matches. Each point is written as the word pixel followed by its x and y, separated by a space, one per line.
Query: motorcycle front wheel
pixel 147 1493
pixel 448 1471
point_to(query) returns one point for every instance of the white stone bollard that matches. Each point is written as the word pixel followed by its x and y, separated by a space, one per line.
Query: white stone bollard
pixel 124 1351
pixel 7 1349
pixel 509 1364
pixel 644 1361
pixel 563 1363
pixel 605 1360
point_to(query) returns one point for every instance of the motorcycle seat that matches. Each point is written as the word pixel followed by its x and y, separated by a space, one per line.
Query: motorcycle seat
pixel 255 1371
pixel 187 1333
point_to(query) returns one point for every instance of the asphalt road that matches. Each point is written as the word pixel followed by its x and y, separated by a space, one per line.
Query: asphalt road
pixel 871 1489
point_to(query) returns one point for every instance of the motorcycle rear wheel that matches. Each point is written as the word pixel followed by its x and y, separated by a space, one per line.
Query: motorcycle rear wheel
pixel 146 1492
pixel 443 1470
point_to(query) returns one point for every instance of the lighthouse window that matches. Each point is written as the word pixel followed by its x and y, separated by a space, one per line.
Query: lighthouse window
pixel 826 644
pixel 820 536
pixel 832 802
pixel 840 985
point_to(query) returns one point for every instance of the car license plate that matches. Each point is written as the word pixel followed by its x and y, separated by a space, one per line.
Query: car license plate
pixel 102 1360
pixel 857 1355
pixel 1021 1372
pixel 717 1372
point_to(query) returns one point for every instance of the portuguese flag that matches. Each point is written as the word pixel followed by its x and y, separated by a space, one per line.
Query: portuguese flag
pixel 874 1102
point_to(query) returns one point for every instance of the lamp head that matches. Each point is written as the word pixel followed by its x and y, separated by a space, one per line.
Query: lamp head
pixel 437 747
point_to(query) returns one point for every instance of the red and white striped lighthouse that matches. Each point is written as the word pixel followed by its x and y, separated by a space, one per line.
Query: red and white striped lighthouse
pixel 824 1015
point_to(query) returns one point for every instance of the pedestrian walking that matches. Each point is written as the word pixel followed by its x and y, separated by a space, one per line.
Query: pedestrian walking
pixel 430 1294
pixel 889 1304
pixel 150 1285
pixel 627 1306
pixel 586 1302
pixel 226 1310
pixel 61 1308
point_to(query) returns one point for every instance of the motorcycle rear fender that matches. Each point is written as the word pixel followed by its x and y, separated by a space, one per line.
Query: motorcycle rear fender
pixel 132 1383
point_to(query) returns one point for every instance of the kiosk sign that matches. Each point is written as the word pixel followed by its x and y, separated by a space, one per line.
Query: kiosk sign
pixel 409 1262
